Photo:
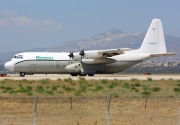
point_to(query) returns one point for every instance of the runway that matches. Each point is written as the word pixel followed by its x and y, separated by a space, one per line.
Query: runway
pixel 95 77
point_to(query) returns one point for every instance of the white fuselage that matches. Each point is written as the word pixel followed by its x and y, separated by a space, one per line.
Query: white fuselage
pixel 52 62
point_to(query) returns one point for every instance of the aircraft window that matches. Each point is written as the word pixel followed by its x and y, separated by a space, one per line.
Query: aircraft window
pixel 18 57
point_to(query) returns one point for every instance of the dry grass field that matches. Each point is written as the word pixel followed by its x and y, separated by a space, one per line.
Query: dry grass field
pixel 124 110
pixel 90 101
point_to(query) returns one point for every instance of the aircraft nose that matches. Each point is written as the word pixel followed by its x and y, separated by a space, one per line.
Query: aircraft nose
pixel 9 66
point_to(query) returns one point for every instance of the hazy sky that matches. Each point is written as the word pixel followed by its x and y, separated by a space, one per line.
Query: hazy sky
pixel 26 24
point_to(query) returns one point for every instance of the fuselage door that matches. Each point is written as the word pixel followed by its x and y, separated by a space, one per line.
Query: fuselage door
pixel 32 67
pixel 106 67
pixel 58 64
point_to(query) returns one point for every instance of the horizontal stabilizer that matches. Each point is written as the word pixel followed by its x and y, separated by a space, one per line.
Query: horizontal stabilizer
pixel 162 54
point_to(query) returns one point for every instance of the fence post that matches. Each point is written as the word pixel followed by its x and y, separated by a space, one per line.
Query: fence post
pixel 35 107
pixel 108 113
pixel 71 102
pixel 146 102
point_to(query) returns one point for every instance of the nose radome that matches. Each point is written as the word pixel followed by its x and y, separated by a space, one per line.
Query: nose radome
pixel 9 66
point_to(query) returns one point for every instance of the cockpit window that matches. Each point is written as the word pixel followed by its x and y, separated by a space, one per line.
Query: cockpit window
pixel 18 56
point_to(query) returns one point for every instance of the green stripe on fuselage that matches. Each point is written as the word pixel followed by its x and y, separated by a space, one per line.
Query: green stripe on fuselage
pixel 44 58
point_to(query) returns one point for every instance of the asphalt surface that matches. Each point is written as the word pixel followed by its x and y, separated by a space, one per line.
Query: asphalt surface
pixel 96 76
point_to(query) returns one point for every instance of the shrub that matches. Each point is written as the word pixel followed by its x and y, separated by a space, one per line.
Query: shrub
pixel 82 80
pixel 137 84
pixel 20 90
pixel 54 88
pixel 134 80
pixel 59 79
pixel 132 85
pixel 68 80
pixel 90 85
pixel 104 81
pixel 73 83
pixel 113 84
pixel 126 85
pixel 2 87
pixel 178 84
pixel 146 93
pixel 135 89
pixel 8 88
pixel 50 92
pixel 149 79
pixel 68 89
pixel 177 90
pixel 12 92
pixel 155 89
pixel 78 93
pixel 45 81
pixel 82 88
pixel 21 86
pixel 29 88
pixel 99 88
pixel 146 87
pixel 40 89
pixel 29 93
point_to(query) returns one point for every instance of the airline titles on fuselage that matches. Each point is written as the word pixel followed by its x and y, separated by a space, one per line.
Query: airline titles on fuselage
pixel 44 58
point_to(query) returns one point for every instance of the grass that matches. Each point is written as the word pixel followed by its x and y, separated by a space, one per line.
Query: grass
pixel 83 87
pixel 91 110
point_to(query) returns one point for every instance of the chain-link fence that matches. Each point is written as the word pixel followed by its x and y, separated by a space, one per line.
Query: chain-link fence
pixel 124 110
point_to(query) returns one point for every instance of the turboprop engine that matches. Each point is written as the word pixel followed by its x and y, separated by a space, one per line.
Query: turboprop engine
pixel 74 68
pixel 77 69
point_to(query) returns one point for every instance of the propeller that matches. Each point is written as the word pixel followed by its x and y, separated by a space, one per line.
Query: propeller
pixel 82 53
pixel 71 55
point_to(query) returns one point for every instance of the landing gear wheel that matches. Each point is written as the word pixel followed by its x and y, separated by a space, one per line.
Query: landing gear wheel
pixel 74 74
pixel 82 74
pixel 22 74
pixel 90 74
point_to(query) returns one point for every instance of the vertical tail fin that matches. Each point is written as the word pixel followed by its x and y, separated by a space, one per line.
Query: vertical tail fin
pixel 154 42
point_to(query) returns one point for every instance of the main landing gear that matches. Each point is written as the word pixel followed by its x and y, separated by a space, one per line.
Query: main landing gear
pixel 22 74
pixel 76 74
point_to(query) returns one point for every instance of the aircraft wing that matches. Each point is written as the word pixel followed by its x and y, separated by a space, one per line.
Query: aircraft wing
pixel 112 52
pixel 100 56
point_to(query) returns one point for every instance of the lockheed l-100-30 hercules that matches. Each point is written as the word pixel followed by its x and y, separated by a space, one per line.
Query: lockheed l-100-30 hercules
pixel 91 62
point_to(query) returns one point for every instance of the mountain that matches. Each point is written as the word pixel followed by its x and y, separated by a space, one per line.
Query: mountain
pixel 107 40
pixel 110 39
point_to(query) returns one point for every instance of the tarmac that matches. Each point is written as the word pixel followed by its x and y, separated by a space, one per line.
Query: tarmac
pixel 95 77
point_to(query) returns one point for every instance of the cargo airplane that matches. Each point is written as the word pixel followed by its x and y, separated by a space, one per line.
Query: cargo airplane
pixel 91 62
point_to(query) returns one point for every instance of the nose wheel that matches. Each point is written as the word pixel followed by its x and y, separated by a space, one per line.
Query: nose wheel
pixel 22 74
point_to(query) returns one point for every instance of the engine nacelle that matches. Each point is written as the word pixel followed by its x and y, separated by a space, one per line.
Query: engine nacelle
pixel 74 68
pixel 92 55
pixel 88 55
pixel 98 61
pixel 78 69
